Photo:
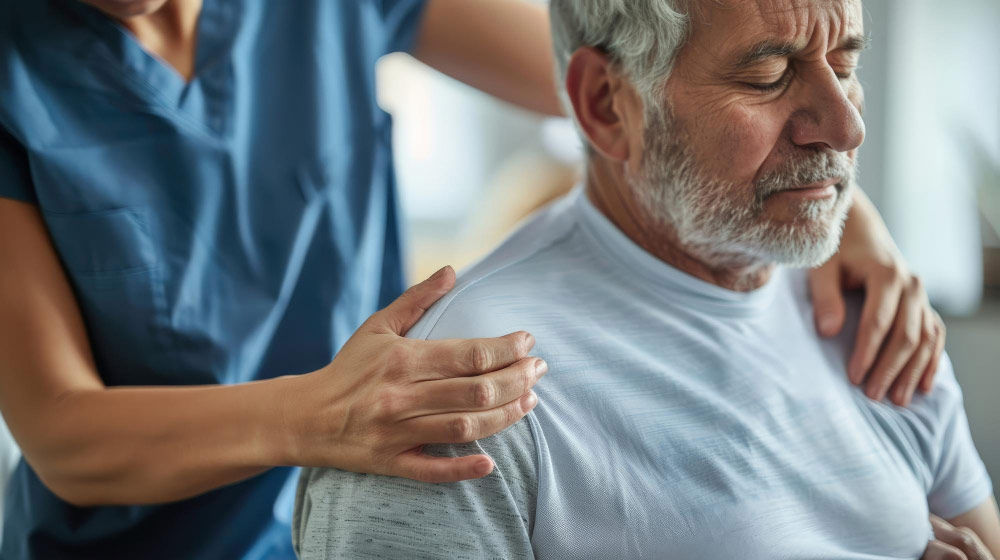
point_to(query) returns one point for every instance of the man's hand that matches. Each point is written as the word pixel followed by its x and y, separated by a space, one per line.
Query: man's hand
pixel 900 337
pixel 955 543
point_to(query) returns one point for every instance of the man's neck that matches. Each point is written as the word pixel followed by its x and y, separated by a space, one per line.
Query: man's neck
pixel 607 190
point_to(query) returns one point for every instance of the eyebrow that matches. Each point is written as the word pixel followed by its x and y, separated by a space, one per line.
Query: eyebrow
pixel 770 49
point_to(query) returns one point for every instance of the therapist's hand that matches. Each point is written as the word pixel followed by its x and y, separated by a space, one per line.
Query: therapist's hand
pixel 900 337
pixel 384 396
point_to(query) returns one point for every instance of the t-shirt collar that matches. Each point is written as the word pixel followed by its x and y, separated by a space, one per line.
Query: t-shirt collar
pixel 668 282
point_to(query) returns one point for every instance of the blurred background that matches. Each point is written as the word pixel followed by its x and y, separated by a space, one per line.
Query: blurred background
pixel 471 167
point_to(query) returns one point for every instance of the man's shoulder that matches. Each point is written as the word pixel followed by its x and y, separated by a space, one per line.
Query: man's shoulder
pixel 511 277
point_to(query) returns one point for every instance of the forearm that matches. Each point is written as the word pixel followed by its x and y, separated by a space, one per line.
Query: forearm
pixel 501 47
pixel 158 444
pixel 984 520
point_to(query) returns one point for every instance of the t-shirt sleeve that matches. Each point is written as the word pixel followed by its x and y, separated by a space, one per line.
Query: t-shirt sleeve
pixel 340 514
pixel 15 180
pixel 959 480
pixel 401 21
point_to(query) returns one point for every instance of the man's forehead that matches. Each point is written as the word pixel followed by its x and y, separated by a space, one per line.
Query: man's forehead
pixel 745 22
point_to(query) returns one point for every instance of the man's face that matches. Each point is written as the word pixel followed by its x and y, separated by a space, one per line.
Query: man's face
pixel 751 155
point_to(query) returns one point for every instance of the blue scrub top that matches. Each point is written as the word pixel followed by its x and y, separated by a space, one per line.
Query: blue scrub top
pixel 234 228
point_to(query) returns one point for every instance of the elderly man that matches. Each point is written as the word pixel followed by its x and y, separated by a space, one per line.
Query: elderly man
pixel 693 411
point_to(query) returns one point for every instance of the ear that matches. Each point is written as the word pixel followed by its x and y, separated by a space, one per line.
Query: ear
pixel 603 101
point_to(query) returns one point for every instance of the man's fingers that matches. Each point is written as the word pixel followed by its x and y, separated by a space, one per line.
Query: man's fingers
pixel 877 316
pixel 910 376
pixel 939 524
pixel 400 315
pixel 913 371
pixel 425 468
pixel 483 392
pixel 962 539
pixel 903 342
pixel 937 550
pixel 828 299
pixel 966 541
pixel 459 358
pixel 462 427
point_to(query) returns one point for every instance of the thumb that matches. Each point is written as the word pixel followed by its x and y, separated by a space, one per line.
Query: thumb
pixel 400 315
pixel 828 299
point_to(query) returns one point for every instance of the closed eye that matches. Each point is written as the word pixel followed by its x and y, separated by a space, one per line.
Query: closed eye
pixel 772 86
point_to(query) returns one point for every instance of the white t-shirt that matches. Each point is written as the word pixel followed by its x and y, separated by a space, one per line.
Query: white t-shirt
pixel 678 419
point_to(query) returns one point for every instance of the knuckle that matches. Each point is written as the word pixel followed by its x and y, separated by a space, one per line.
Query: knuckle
pixel 909 339
pixel 479 357
pixel 881 321
pixel 885 381
pixel 894 274
pixel 389 405
pixel 514 412
pixel 483 394
pixel 461 429
pixel 916 284
pixel 399 358
pixel 887 271
pixel 929 333
pixel 520 344
pixel 527 376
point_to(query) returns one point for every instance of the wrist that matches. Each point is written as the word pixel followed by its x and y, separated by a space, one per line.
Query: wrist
pixel 280 414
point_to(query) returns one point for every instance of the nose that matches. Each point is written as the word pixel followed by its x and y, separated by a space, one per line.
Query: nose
pixel 826 117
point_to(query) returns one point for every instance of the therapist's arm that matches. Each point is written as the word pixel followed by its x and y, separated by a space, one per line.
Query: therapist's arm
pixel 501 47
pixel 368 411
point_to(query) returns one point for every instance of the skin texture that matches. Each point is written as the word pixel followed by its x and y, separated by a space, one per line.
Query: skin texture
pixel 738 134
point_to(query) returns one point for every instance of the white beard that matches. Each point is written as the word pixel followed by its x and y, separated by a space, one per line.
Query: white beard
pixel 723 224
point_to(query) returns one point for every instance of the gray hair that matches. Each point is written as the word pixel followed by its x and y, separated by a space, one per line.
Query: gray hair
pixel 641 37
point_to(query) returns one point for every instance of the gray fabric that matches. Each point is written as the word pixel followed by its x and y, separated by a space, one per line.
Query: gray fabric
pixel 340 514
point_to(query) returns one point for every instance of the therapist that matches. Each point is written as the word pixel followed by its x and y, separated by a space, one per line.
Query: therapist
pixel 198 222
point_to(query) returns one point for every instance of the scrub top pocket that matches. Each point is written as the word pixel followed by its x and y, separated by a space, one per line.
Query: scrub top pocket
pixel 111 261
pixel 105 243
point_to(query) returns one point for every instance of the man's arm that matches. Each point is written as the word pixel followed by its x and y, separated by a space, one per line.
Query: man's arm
pixel 339 514
pixel 984 521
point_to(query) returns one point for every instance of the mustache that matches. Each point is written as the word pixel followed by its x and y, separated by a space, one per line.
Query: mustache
pixel 811 168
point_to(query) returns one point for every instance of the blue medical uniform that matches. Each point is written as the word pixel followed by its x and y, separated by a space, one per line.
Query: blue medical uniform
pixel 234 228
